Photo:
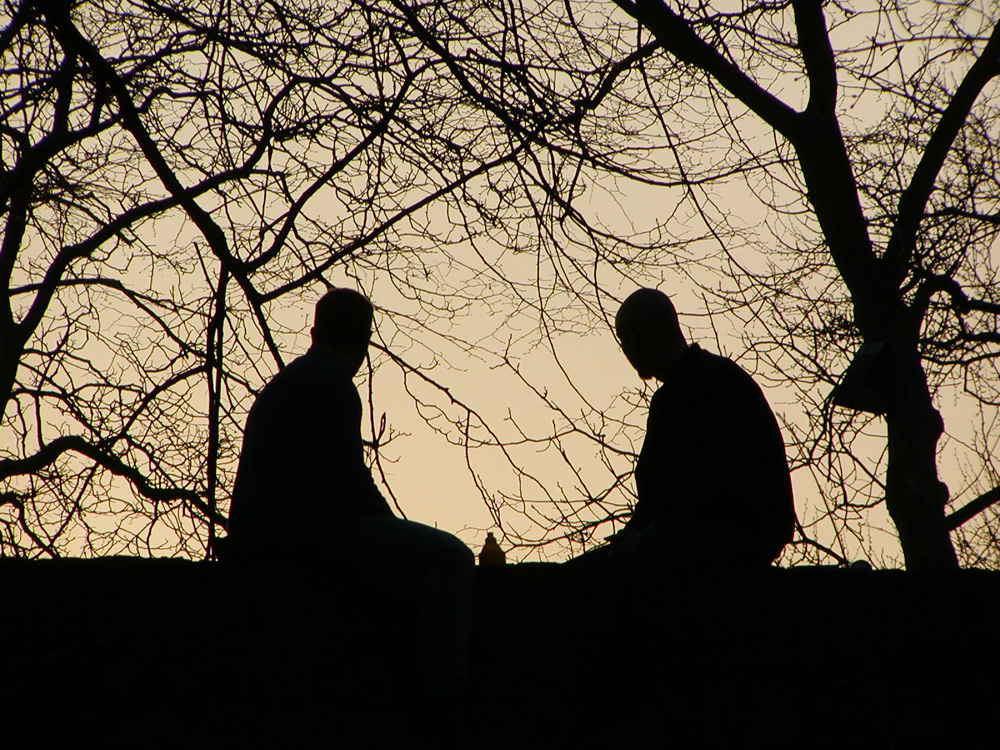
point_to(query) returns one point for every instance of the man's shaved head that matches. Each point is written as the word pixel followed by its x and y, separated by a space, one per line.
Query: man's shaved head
pixel 644 309
pixel 649 332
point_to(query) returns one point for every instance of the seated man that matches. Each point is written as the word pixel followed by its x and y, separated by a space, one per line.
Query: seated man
pixel 712 479
pixel 302 484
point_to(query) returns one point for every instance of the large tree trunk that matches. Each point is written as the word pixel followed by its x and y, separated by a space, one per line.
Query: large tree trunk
pixel 915 497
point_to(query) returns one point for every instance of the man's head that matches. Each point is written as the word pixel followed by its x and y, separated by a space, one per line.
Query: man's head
pixel 650 335
pixel 344 325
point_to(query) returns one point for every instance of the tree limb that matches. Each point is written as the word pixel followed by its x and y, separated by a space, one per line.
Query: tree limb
pixel 53 450
pixel 972 509
pixel 899 249
pixel 680 40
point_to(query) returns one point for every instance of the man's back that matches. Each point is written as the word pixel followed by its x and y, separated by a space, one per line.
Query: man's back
pixel 302 460
pixel 713 461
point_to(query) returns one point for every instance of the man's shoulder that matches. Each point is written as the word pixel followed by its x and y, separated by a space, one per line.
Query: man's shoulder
pixel 310 366
pixel 703 370
pixel 698 362
pixel 306 376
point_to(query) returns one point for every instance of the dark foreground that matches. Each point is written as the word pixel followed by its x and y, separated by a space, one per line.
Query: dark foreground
pixel 128 653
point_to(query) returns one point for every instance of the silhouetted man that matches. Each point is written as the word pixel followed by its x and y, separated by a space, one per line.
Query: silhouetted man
pixel 712 479
pixel 302 482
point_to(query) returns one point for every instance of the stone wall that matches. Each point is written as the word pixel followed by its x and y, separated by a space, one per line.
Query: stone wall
pixel 134 653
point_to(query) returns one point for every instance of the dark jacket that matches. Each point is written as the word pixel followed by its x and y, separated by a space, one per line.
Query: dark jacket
pixel 713 461
pixel 302 461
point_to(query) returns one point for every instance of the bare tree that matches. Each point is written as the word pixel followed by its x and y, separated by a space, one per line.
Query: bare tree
pixel 177 178
pixel 868 140
pixel 826 178
pixel 821 178
pixel 903 207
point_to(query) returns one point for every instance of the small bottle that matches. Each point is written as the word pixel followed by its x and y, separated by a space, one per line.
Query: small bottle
pixel 491 554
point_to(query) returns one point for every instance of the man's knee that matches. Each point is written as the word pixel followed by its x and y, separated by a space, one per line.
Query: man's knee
pixel 457 552
pixel 438 546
